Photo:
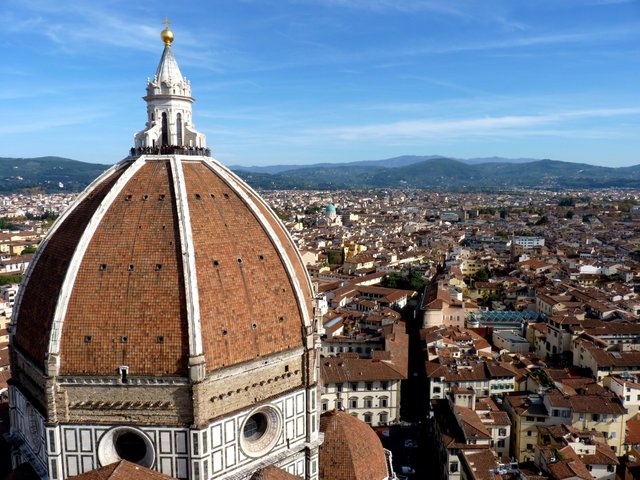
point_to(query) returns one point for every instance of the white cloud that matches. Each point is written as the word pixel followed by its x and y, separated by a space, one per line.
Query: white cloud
pixel 499 126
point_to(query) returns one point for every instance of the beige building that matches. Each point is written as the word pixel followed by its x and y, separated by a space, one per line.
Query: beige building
pixel 447 306
pixel 485 378
pixel 563 450
pixel 527 412
pixel 602 412
pixel 458 431
pixel 587 354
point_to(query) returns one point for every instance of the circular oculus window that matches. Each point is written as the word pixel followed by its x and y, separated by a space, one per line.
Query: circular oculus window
pixel 126 443
pixel 260 431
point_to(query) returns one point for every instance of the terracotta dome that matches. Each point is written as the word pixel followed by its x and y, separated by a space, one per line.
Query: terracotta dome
pixel 351 449
pixel 162 260
pixel 166 320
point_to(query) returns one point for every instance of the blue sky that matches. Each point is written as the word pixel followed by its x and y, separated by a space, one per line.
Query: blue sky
pixel 305 81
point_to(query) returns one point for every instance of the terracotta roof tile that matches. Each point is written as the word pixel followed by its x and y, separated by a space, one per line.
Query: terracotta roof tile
pixel 128 301
pixel 351 449
pixel 272 473
pixel 40 295
pixel 344 369
pixel 122 470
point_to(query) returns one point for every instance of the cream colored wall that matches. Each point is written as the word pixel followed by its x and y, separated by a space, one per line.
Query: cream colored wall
pixel 611 425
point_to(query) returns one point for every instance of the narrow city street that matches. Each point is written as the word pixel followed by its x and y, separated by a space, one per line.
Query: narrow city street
pixel 414 454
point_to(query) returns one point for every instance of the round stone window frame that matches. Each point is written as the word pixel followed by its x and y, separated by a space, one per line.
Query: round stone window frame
pixel 107 453
pixel 264 443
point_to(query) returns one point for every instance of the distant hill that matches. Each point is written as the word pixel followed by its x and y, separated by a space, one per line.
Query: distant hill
pixel 401 161
pixel 386 163
pixel 434 172
pixel 450 174
pixel 47 174
pixel 476 161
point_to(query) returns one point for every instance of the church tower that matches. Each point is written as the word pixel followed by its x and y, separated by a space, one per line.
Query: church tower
pixel 167 319
pixel 169 105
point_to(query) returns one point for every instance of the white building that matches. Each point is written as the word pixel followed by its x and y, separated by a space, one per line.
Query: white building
pixel 365 388
pixel 527 241
pixel 510 341
pixel 627 387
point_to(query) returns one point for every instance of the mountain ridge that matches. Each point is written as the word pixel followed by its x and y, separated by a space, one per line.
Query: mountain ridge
pixel 58 174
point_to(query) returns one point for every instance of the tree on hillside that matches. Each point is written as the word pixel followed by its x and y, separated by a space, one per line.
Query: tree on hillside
pixel 412 281
pixel 481 275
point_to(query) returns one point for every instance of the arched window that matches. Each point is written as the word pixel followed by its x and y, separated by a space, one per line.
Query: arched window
pixel 179 128
pixel 165 129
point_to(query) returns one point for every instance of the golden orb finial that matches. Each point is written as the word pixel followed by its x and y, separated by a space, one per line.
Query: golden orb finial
pixel 166 35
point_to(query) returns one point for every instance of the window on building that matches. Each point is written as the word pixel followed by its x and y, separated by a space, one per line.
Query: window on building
pixel 529 419
pixel 502 432
pixel 529 446
pixel 367 418
pixel 453 467
pixel 338 387
pixel 581 416
pixel 369 386
pixel 368 402
pixel 589 467
pixel 501 443
pixel 529 433
pixel 353 403
pixel 595 417
pixel 384 417
pixel 436 389
pixel 556 412
pixel 339 404
pixel 324 406
pixel 179 128
pixel 354 386
pixel 165 129
pixel 384 385
pixel 610 468
pixel 384 402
